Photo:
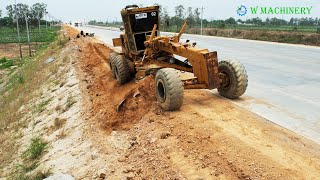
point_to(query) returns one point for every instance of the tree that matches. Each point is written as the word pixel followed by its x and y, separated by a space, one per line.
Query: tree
pixel 94 22
pixel 268 21
pixel 6 22
pixel 277 22
pixel 257 21
pixel 37 12
pixel 240 21
pixel 165 19
pixel 231 21
pixel 0 18
pixel 179 10
pixel 179 16
pixel 196 14
pixel 190 17
pixel 18 11
pixel 317 21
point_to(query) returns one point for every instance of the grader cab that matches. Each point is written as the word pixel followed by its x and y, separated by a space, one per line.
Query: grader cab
pixel 145 52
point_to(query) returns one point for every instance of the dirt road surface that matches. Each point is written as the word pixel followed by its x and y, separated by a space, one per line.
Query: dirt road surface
pixel 209 138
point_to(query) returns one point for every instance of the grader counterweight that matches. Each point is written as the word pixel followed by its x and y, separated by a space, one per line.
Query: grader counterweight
pixel 145 52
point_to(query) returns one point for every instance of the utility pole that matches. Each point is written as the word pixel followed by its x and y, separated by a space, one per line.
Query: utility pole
pixel 46 21
pixel 201 18
pixel 28 34
pixel 18 30
pixel 49 20
pixel 39 20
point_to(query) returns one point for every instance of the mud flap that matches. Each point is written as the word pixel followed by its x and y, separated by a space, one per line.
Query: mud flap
pixel 213 71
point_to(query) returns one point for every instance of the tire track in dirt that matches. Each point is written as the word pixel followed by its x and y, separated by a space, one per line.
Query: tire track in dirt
pixel 106 94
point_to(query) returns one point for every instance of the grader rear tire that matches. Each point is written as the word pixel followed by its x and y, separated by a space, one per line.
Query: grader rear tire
pixel 112 58
pixel 169 89
pixel 120 68
pixel 236 81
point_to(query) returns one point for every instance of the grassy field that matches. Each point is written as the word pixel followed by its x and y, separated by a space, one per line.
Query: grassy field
pixel 9 35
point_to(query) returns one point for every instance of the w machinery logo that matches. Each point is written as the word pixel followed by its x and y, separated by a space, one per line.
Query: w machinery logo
pixel 266 10
pixel 242 10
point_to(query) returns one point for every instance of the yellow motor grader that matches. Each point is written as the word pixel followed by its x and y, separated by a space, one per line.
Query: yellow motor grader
pixel 145 52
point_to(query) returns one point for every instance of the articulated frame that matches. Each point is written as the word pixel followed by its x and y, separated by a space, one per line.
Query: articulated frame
pixel 204 63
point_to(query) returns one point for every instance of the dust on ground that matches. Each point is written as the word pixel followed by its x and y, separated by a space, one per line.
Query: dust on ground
pixel 209 138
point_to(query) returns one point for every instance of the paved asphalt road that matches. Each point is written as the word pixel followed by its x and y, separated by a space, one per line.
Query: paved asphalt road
pixel 284 80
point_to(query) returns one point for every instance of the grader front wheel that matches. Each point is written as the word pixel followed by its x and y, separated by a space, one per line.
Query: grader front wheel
pixel 234 79
pixel 169 89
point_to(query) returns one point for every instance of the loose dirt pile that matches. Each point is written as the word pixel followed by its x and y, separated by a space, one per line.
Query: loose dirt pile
pixel 114 107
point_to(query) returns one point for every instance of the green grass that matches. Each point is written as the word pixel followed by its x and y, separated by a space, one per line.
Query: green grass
pixel 35 149
pixel 41 106
pixel 37 176
pixel 41 175
pixel 28 166
pixel 6 63
pixel 31 162
pixel 3 60
pixel 70 101
pixel 9 35
pixel 14 81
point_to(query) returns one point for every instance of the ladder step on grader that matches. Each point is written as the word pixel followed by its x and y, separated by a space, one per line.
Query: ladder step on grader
pixel 145 52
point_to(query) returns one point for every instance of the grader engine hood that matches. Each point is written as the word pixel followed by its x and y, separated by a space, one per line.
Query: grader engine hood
pixel 138 24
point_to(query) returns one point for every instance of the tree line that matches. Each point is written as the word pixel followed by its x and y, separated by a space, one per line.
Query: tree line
pixel 20 11
pixel 193 15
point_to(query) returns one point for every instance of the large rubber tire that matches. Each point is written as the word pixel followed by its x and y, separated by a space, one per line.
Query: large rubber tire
pixel 237 79
pixel 120 69
pixel 112 58
pixel 169 89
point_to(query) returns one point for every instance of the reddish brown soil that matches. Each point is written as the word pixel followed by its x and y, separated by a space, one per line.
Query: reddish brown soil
pixel 209 138
pixel 105 93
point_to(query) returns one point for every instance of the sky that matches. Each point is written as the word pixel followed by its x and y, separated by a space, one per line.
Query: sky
pixel 109 10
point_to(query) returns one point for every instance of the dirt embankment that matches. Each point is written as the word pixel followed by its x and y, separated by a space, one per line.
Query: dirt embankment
pixel 263 35
pixel 115 107
pixel 209 138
